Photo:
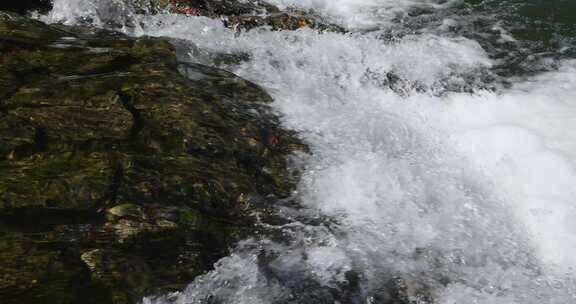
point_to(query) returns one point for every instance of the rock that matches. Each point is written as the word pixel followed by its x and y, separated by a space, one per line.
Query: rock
pixel 109 156
pixel 122 125
pixel 126 229
pixel 404 290
pixel 215 8
pixel 125 210
pixel 124 276
pixel 32 273
pixel 245 15
pixel 25 6
pixel 278 21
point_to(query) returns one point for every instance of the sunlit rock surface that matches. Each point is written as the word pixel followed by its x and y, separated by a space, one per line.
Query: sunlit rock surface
pixel 119 176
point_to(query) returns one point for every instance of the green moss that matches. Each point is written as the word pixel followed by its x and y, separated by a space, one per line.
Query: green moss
pixel 55 181
pixel 190 217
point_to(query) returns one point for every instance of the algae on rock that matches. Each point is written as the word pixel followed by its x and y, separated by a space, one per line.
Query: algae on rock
pixel 109 156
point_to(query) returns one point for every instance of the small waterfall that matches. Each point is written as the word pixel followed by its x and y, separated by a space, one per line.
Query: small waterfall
pixel 438 167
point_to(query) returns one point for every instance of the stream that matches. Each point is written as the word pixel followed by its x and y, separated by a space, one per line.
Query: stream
pixel 443 159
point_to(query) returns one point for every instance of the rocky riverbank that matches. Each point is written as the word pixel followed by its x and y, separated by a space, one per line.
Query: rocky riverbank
pixel 120 177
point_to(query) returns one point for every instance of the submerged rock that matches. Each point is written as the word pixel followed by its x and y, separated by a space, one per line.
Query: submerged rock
pixel 118 171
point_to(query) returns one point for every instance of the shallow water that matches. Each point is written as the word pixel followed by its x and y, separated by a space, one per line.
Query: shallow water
pixel 443 157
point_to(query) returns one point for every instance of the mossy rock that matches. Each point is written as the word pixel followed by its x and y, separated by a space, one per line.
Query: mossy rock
pixel 33 274
pixel 135 167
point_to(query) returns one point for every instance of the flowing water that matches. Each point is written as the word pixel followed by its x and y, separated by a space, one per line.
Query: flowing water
pixel 443 153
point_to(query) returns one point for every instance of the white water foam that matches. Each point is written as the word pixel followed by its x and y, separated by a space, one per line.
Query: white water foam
pixel 470 193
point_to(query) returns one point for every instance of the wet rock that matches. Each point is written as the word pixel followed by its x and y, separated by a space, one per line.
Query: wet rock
pixel 246 15
pixel 123 275
pixel 128 229
pixel 25 6
pixel 125 210
pixel 278 21
pixel 403 290
pixel 32 273
pixel 213 8
pixel 118 170
pixel 123 125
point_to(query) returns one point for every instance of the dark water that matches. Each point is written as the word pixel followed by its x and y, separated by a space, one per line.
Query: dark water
pixel 25 6
pixel 545 32
pixel 538 33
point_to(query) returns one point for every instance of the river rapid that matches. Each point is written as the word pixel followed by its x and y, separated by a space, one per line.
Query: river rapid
pixel 443 156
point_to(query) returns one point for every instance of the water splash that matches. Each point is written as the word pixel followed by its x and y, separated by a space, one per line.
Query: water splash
pixel 418 173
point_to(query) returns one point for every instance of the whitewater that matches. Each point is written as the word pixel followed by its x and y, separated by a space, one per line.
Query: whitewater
pixel 422 173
